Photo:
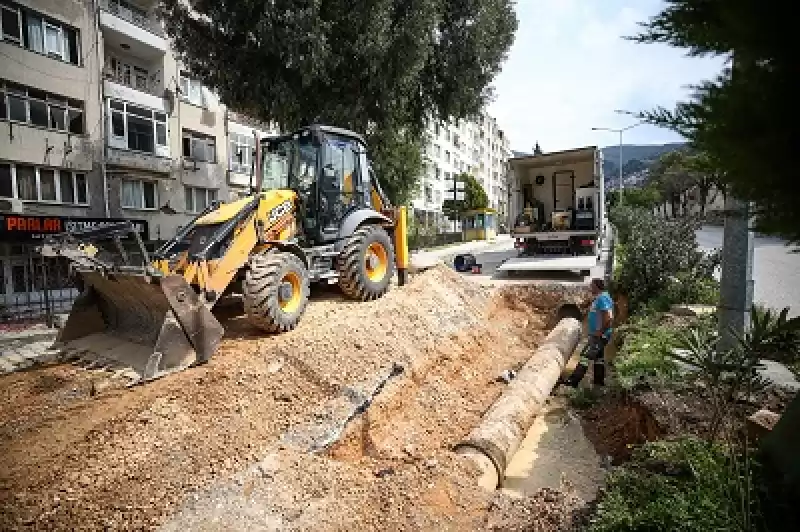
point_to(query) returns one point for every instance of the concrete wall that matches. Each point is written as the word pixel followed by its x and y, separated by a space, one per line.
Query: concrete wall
pixel 28 143
pixel 102 34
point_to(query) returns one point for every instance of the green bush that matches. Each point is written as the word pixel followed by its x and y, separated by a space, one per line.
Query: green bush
pixel 777 336
pixel 583 398
pixel 685 485
pixel 661 261
pixel 644 355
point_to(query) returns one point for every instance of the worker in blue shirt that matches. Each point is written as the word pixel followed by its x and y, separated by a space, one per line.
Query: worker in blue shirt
pixel 599 329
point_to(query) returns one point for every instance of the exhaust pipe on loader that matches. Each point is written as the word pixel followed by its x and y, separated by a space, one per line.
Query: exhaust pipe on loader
pixel 134 320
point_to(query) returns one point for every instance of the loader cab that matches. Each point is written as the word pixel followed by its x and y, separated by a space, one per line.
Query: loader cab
pixel 327 168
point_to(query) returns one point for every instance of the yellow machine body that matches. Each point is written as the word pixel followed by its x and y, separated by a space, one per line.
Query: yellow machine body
pixel 149 320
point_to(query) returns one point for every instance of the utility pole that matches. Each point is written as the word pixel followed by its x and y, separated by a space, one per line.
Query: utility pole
pixel 621 184
pixel 620 131
pixel 736 281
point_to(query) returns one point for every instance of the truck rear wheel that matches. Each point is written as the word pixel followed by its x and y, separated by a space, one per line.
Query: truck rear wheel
pixel 275 290
pixel 366 264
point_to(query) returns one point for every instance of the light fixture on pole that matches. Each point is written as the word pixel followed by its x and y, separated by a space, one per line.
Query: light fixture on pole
pixel 620 131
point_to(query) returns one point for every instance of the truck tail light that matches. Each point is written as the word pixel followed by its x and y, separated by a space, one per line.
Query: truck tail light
pixel 587 242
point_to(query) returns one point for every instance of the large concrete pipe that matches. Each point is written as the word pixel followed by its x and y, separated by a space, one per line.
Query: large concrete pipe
pixel 494 441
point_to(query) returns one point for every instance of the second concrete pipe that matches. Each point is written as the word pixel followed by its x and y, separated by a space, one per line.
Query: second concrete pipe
pixel 494 441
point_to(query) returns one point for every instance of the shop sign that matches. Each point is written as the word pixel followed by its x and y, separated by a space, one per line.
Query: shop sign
pixel 15 227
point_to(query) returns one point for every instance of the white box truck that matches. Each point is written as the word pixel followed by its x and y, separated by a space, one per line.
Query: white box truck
pixel 557 210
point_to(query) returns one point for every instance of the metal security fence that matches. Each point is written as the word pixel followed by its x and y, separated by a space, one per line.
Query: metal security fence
pixel 34 288
pixel 422 240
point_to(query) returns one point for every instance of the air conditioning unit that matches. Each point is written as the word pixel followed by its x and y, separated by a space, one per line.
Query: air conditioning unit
pixel 11 205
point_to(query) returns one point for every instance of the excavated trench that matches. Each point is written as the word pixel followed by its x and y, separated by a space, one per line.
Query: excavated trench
pixel 346 423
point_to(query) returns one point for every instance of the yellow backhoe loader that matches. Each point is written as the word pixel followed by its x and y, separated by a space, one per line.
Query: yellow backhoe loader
pixel 316 214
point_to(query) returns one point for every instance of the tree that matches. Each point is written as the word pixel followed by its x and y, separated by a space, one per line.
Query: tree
pixel 741 118
pixel 379 67
pixel 707 176
pixel 397 159
pixel 670 175
pixel 475 197
pixel 679 173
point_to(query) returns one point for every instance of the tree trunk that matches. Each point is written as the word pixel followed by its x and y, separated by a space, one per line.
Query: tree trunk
pixel 703 199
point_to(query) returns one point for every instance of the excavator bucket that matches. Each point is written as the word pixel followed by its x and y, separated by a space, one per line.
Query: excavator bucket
pixel 142 325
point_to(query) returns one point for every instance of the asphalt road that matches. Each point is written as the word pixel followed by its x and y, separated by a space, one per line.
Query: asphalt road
pixel 776 271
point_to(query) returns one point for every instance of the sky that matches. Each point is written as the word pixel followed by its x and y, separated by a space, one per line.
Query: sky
pixel 569 69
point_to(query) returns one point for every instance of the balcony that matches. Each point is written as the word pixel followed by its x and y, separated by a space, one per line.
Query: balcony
pixel 131 28
pixel 119 91
pixel 141 83
pixel 116 157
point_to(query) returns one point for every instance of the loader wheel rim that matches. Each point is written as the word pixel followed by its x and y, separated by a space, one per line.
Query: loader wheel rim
pixel 376 262
pixel 292 302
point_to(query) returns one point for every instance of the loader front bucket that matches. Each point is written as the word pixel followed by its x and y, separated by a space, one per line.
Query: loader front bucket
pixel 141 325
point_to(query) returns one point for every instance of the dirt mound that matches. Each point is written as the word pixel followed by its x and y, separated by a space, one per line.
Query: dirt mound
pixel 548 510
pixel 74 457
pixel 543 305
pixel 615 424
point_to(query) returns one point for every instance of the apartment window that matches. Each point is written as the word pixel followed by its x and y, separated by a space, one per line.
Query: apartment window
pixel 447 135
pixel 436 129
pixel 197 199
pixel 12 23
pixel 39 34
pixel 192 90
pixel 39 108
pixel 6 182
pixel 428 194
pixel 447 156
pixel 51 185
pixel 199 147
pixel 455 140
pixel 437 172
pixel 437 150
pixel 137 128
pixel 139 194
pixel 241 153
pixel 131 75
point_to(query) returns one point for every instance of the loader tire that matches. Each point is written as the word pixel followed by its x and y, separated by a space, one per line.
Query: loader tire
pixel 275 291
pixel 366 264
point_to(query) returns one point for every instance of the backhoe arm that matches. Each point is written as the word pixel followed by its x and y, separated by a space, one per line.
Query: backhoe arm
pixel 399 215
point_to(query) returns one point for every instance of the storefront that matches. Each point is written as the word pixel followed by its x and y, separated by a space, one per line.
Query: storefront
pixel 33 287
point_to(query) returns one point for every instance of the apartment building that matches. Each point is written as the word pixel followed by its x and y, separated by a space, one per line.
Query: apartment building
pixel 478 147
pixel 100 122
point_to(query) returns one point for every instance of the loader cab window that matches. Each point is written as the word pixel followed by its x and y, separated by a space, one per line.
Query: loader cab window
pixel 275 166
pixel 289 164
pixel 341 167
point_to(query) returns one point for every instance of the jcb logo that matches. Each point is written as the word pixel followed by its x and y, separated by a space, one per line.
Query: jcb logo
pixel 280 210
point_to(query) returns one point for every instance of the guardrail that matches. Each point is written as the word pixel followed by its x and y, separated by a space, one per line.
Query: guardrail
pixel 134 15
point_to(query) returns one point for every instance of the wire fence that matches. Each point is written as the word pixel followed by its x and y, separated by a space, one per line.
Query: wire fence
pixel 34 289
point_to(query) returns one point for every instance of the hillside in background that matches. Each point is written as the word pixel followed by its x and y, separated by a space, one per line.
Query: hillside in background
pixel 636 160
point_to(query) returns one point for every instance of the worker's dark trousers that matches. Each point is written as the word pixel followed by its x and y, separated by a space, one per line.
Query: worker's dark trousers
pixel 593 351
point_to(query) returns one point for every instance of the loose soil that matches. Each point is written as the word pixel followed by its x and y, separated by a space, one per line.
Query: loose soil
pixel 184 451
pixel 617 423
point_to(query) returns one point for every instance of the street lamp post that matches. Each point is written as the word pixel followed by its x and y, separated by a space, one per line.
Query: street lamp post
pixel 620 131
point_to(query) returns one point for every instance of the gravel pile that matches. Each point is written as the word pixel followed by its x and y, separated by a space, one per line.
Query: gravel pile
pixel 77 456
pixel 548 510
